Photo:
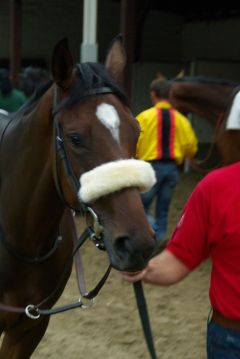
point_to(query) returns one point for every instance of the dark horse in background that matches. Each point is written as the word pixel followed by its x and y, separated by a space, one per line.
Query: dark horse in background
pixel 210 99
pixel 36 191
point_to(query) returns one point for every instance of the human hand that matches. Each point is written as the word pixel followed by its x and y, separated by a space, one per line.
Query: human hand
pixel 132 277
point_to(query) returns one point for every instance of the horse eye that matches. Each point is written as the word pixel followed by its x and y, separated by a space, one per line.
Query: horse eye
pixel 76 139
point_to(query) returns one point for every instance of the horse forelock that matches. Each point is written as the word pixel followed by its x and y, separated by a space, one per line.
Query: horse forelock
pixel 90 76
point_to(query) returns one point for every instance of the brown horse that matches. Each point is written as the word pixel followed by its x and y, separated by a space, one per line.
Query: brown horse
pixel 210 99
pixel 70 144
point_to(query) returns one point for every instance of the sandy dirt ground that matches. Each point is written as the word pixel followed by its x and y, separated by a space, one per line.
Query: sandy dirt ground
pixel 111 329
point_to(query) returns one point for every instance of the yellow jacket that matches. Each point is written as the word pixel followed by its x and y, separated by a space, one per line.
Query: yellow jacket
pixel 165 134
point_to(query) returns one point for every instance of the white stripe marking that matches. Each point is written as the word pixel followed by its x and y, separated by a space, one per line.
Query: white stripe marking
pixel 108 115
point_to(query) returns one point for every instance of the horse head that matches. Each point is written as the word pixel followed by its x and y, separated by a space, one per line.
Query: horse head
pixel 96 136
pixel 209 98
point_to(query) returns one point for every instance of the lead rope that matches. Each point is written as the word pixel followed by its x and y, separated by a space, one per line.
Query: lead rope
pixel 143 313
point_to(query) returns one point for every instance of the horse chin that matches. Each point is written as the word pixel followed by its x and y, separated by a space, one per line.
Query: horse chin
pixel 127 263
pixel 119 265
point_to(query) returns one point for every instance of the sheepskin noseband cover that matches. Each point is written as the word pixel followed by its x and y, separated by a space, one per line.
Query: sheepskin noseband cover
pixel 114 176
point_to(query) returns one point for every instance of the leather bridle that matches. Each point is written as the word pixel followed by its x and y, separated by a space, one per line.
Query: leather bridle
pixel 60 150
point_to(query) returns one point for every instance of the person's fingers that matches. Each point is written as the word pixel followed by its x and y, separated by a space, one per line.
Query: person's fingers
pixel 132 274
pixel 132 277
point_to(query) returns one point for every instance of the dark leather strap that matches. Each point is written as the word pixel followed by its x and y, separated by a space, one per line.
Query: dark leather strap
pixel 94 292
pixel 59 148
pixel 80 274
pixel 59 105
pixel 34 311
pixel 27 259
pixel 61 154
pixel 143 313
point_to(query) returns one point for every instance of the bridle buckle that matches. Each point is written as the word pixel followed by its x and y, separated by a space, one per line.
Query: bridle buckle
pixel 95 228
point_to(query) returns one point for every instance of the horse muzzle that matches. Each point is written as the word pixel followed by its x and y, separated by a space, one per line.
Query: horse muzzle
pixel 126 255
pixel 123 253
pixel 112 187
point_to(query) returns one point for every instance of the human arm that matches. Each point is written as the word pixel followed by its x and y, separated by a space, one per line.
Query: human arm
pixel 188 247
pixel 164 269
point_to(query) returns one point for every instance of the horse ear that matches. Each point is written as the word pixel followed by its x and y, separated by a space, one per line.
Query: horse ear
pixel 116 59
pixel 62 64
pixel 181 74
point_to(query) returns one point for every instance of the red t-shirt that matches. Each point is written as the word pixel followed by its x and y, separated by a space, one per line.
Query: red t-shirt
pixel 210 227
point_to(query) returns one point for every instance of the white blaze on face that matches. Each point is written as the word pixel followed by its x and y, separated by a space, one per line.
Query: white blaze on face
pixel 108 115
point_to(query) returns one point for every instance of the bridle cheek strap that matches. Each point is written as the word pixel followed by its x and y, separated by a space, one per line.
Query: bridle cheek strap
pixel 114 176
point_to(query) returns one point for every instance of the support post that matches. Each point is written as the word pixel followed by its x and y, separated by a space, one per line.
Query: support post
pixel 89 47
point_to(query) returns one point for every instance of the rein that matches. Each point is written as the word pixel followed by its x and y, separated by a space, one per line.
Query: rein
pixel 28 259
pixel 143 314
pixel 35 311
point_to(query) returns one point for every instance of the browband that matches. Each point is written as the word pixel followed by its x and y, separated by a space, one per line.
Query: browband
pixel 58 106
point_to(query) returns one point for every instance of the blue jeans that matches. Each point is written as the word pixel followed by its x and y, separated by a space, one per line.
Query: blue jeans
pixel 222 343
pixel 167 177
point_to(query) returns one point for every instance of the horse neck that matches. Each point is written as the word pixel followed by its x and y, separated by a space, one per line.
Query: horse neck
pixel 205 99
pixel 34 210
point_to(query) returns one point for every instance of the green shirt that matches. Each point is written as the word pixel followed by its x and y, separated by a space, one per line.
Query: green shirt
pixel 13 101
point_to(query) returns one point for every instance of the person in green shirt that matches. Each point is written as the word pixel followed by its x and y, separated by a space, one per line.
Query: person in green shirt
pixel 10 98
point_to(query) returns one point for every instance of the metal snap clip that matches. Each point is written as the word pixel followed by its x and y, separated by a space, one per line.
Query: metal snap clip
pixel 93 222
pixel 32 312
pixel 86 300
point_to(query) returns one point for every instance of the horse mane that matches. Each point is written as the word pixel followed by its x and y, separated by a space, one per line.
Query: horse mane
pixel 32 100
pixel 207 80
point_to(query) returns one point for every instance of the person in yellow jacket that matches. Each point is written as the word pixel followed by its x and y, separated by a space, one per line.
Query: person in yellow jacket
pixel 166 139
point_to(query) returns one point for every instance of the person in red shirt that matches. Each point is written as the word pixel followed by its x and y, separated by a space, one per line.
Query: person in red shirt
pixel 208 228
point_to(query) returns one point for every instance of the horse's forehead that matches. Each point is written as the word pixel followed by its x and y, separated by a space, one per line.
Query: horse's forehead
pixel 108 115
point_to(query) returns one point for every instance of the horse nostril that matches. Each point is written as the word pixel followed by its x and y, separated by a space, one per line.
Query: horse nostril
pixel 131 252
pixel 123 245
